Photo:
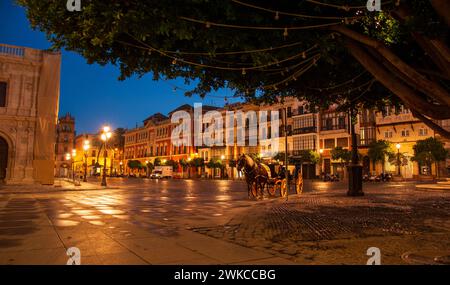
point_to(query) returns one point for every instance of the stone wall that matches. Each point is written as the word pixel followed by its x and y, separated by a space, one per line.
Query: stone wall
pixel 28 128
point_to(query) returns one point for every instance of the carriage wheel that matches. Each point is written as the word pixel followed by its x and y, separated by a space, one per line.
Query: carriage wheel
pixel 277 187
pixel 283 189
pixel 272 189
pixel 254 190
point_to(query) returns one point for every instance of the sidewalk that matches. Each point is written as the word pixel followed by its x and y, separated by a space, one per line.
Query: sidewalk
pixel 59 186
pixel 116 242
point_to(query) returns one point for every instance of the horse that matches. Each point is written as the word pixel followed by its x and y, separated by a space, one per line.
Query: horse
pixel 255 173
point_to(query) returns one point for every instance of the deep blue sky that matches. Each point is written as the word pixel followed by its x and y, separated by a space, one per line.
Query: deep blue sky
pixel 92 93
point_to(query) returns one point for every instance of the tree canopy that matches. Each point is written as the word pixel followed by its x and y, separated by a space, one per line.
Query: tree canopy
pixel 379 151
pixel 341 154
pixel 428 151
pixel 324 51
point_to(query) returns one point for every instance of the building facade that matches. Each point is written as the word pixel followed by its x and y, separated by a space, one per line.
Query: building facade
pixel 65 136
pixel 29 96
pixel 307 129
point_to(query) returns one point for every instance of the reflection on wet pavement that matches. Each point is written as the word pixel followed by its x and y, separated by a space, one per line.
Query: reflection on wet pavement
pixel 156 207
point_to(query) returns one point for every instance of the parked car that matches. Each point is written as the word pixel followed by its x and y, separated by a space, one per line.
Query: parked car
pixel 162 172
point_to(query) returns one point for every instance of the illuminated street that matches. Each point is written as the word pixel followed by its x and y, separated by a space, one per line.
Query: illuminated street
pixel 142 221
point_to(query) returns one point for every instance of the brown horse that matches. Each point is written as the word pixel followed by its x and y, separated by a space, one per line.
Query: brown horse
pixel 256 175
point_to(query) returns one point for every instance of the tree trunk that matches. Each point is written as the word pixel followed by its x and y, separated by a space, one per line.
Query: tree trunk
pixel 424 85
pixel 411 99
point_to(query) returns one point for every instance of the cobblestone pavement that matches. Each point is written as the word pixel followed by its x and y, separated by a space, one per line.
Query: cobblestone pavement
pixel 140 221
pixel 325 227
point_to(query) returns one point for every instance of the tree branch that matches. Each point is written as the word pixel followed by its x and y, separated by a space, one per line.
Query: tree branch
pixel 442 8
pixel 432 125
pixel 428 87
pixel 411 99
pixel 437 55
pixel 435 48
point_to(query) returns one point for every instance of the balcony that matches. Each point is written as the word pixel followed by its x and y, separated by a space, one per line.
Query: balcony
pixel 305 130
pixel 395 119
pixel 12 50
pixel 334 127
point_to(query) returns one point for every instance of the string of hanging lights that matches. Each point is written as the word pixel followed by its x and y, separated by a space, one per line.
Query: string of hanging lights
pixel 269 49
pixel 342 7
pixel 340 84
pixel 357 88
pixel 243 70
pixel 278 13
pixel 284 29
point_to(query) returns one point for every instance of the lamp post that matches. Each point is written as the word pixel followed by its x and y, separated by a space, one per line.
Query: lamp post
pixel 74 154
pixel 286 149
pixel 321 160
pixel 120 167
pixel 354 168
pixel 86 147
pixel 398 158
pixel 146 168
pixel 68 157
pixel 105 136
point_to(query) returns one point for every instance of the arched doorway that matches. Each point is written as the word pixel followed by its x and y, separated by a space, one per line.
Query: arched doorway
pixel 3 159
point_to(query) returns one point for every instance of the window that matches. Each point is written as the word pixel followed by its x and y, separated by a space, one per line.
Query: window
pixel 405 133
pixel 305 143
pixel 304 122
pixel 367 135
pixel 329 143
pixel 3 94
pixel 333 121
pixel 342 142
pixel 387 134
pixel 423 132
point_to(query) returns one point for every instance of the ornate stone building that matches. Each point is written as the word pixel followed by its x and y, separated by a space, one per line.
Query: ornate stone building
pixel 65 136
pixel 29 95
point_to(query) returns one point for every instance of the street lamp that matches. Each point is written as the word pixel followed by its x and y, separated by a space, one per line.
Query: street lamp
pixel 86 147
pixel 146 168
pixel 398 158
pixel 105 136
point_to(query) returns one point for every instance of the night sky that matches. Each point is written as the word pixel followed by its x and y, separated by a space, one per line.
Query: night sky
pixel 92 93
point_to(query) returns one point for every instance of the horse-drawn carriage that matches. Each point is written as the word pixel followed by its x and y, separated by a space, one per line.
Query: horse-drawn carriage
pixel 260 177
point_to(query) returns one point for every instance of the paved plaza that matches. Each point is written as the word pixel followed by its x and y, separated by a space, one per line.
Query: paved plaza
pixel 141 221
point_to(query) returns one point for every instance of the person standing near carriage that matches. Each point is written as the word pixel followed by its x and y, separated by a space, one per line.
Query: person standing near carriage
pixel 298 178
